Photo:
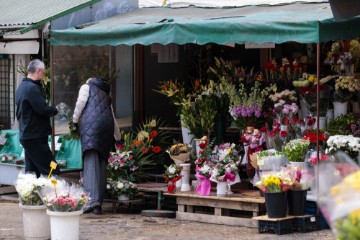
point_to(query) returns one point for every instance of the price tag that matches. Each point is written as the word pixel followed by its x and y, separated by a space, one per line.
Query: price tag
pixel 52 167
pixel 54 182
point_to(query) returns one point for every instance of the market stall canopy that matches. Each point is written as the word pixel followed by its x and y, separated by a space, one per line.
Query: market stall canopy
pixel 21 16
pixel 300 22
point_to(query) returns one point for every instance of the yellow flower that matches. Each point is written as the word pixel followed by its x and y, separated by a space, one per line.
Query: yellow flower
pixel 353 180
pixel 335 190
pixel 354 216
pixel 311 78
pixel 277 181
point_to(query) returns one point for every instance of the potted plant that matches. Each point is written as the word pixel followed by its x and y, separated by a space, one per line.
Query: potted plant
pixel 199 115
pixel 344 125
pixel 65 203
pixel 27 187
pixel 345 86
pixel 295 150
pixel 122 189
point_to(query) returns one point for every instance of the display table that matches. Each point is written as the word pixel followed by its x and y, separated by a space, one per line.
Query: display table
pixel 154 187
pixel 117 204
pixel 246 201
pixel 159 188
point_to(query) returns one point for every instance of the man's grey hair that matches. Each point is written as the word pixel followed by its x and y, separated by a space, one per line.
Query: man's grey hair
pixel 35 65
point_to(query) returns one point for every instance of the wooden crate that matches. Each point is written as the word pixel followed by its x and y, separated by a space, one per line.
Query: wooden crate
pixel 248 201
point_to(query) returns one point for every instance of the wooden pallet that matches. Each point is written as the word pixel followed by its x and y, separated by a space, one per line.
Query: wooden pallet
pixel 247 200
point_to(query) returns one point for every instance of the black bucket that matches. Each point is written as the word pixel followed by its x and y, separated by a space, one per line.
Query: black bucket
pixel 276 204
pixel 296 201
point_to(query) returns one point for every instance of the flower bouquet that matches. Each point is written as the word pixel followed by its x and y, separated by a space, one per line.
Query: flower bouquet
pixel 225 157
pixel 312 159
pixel 349 144
pixel 120 187
pixel 28 187
pixel 308 92
pixel 311 136
pixel 61 196
pixel 345 86
pixel 172 174
pixel 274 185
pixel 286 95
pixel 285 112
pixel 270 160
pixel 276 138
pixel 296 149
pixel 274 182
pixel 65 203
pixel 302 181
pixel 204 152
pixel 123 165
pixel 244 90
pixel 222 173
pixel 180 153
pixel 203 174
pixel 35 220
pixel 338 195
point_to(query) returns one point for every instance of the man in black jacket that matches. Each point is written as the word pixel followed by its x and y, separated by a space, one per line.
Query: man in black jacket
pixel 33 114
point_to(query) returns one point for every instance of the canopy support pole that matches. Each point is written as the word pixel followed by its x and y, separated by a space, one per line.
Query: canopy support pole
pixel 317 119
pixel 52 98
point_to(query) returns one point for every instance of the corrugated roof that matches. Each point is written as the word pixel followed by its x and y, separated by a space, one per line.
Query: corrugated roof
pixel 26 13
pixel 218 3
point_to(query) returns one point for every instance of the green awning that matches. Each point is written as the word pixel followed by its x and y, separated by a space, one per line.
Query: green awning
pixel 300 22
pixel 23 15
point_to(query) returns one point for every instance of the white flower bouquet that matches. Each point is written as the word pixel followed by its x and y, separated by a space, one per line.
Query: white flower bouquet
pixel 296 149
pixel 28 187
pixel 172 173
pixel 286 95
pixel 347 143
pixel 122 187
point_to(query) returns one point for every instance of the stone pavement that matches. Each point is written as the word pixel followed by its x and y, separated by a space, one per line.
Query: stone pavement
pixel 134 226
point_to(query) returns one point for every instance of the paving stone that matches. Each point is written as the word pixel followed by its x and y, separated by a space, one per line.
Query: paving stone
pixel 134 226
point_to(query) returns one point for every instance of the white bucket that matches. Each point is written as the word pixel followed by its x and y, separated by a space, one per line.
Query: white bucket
pixel 64 225
pixel 340 108
pixel 36 222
